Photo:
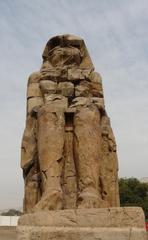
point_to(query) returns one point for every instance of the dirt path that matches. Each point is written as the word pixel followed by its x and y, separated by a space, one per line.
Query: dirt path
pixel 7 233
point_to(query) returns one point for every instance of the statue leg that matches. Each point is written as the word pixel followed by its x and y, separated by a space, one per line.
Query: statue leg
pixel 32 189
pixel 29 164
pixel 50 151
pixel 87 151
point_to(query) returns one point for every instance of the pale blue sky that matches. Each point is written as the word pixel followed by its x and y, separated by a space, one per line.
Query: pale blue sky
pixel 116 35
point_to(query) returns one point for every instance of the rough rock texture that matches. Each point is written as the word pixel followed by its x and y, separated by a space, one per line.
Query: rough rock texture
pixel 69 157
pixel 62 233
pixel 100 217
pixel 88 224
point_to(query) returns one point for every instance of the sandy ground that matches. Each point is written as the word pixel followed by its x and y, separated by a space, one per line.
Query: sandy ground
pixel 9 233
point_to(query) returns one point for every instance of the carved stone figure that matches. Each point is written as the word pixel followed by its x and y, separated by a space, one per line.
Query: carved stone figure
pixel 68 155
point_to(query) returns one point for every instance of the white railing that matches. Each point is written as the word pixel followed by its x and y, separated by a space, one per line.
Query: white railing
pixel 8 220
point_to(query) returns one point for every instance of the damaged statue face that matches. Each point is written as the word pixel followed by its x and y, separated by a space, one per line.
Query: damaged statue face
pixel 65 56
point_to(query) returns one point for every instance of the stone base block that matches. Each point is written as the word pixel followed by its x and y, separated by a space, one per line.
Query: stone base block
pixel 62 233
pixel 83 224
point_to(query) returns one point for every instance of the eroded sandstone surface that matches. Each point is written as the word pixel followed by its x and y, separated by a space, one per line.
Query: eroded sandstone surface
pixel 69 157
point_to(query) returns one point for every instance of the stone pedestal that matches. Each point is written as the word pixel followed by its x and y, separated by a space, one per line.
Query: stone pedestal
pixel 83 224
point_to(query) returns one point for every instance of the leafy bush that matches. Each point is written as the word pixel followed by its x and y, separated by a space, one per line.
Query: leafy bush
pixel 134 193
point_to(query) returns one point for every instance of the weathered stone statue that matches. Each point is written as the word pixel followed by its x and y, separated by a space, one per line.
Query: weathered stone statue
pixel 69 155
pixel 68 150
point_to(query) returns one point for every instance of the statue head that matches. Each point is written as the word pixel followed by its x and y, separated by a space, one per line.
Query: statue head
pixel 67 50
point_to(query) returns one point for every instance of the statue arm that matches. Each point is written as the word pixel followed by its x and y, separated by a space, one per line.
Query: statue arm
pixel 96 85
pixel 34 95
pixel 34 99
pixel 96 90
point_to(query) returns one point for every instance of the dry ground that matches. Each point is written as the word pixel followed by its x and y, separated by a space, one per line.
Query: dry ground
pixel 9 233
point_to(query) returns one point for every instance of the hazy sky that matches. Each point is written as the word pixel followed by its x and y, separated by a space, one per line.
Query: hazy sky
pixel 116 34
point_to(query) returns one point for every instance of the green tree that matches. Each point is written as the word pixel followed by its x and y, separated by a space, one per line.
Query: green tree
pixel 12 212
pixel 133 193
